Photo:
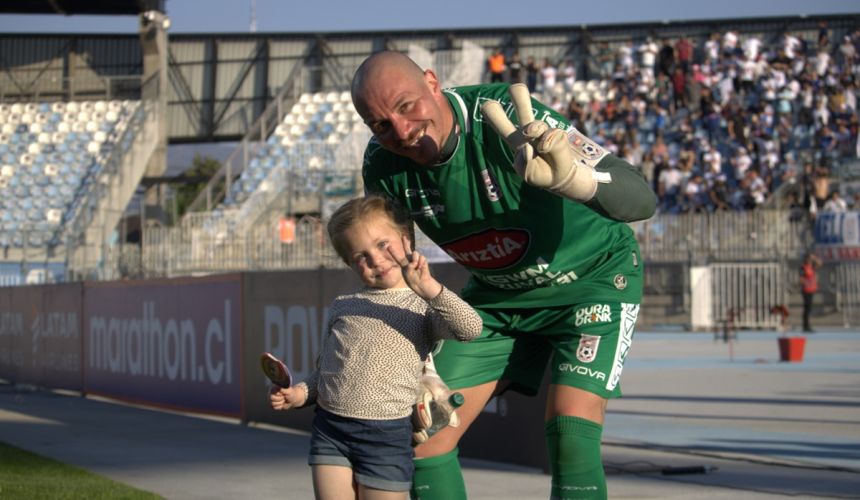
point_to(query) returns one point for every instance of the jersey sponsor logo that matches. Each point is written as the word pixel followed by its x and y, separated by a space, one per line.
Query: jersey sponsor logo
pixel 582 370
pixel 428 211
pixel 421 193
pixel 490 249
pixel 550 120
pixel 597 313
pixel 534 276
pixel 587 350
pixel 543 115
pixel 477 116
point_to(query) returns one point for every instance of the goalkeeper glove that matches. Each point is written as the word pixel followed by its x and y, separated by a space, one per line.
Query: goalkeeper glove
pixel 548 158
pixel 432 387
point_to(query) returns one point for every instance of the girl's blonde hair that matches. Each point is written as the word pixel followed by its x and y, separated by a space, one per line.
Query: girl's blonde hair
pixel 359 209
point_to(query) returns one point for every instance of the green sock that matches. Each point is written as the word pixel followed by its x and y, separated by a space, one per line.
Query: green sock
pixel 438 478
pixel 574 458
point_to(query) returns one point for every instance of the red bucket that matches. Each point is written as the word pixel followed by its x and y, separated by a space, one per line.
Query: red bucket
pixel 791 349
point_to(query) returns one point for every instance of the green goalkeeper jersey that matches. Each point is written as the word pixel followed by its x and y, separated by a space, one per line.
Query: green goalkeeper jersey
pixel 524 247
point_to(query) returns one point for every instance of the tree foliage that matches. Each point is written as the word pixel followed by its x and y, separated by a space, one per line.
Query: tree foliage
pixel 194 180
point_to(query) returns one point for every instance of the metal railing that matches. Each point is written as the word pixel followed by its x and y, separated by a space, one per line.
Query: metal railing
pixel 754 235
pixel 255 138
pixel 203 245
pixel 745 293
pixel 91 87
pixel 848 292
pixel 103 199
pixel 225 240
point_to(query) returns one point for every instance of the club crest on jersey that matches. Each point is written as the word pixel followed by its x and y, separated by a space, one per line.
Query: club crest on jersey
pixel 597 313
pixel 587 350
pixel 490 249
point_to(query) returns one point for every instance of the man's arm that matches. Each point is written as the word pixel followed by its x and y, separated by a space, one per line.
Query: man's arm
pixel 628 197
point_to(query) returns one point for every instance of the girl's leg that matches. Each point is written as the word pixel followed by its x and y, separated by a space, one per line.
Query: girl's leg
pixel 333 482
pixel 365 493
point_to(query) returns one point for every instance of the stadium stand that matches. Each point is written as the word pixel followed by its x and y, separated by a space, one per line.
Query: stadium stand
pixel 305 168
pixel 727 121
pixel 299 146
pixel 52 157
pixel 66 167
pixel 305 140
pixel 75 141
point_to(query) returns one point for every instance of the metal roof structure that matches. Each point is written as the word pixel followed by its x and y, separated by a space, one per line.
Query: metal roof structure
pixel 81 7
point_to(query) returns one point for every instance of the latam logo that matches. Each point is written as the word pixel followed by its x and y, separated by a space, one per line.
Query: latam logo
pixel 490 249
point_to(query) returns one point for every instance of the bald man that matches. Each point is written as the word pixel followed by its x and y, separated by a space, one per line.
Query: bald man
pixel 539 222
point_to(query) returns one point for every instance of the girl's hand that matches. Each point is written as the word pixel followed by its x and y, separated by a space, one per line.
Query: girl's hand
pixel 416 271
pixel 284 399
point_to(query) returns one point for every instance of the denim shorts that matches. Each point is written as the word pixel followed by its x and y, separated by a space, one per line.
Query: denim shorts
pixel 378 451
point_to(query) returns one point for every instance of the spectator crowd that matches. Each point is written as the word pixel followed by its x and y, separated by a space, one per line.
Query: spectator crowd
pixel 732 122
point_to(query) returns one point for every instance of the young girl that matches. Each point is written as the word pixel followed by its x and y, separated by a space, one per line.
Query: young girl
pixel 373 355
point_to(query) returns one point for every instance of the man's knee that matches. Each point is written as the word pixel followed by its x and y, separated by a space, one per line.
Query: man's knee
pixel 448 438
pixel 440 443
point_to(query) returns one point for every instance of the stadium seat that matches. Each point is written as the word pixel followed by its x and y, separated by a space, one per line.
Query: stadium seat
pixel 49 152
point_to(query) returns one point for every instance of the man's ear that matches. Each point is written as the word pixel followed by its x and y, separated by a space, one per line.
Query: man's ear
pixel 432 81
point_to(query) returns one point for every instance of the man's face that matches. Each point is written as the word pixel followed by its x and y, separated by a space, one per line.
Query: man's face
pixel 409 116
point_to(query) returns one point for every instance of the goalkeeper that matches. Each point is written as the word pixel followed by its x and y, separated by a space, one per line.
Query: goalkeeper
pixel 536 213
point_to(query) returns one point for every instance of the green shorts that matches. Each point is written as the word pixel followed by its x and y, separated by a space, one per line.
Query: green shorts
pixel 586 345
